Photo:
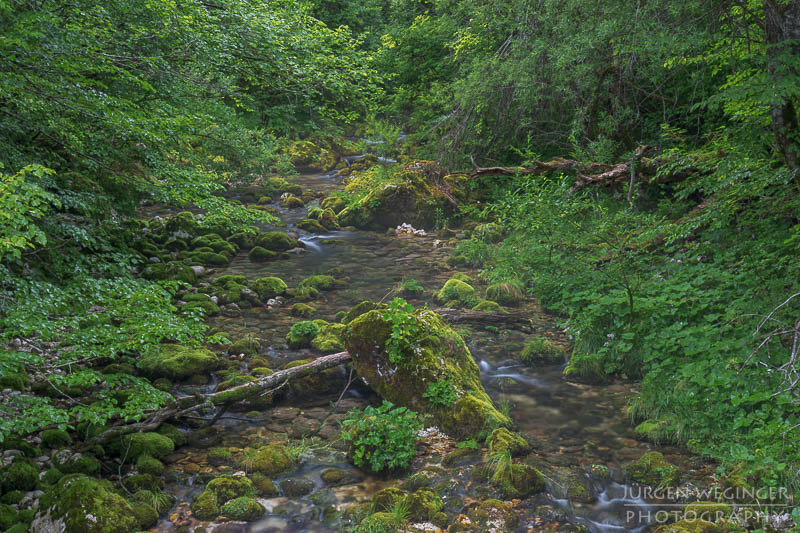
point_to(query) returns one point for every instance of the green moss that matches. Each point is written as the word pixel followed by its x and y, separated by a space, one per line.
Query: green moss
pixel 321 283
pixel 659 431
pixel 89 505
pixel 17 528
pixel 220 456
pixel 709 511
pixel 541 351
pixel 12 497
pixel 335 477
pixel 261 371
pixel 170 271
pixel 380 523
pixel 488 306
pixel 505 293
pixel 146 464
pixel 493 514
pixel 244 508
pixel 329 338
pixel 247 345
pixel 269 460
pixel 458 293
pixel 178 362
pixel 334 203
pixel 518 480
pixel 502 440
pixel 210 258
pixel 326 217
pixel 83 464
pixel 183 221
pixel 259 254
pixel 137 444
pixel 439 354
pixel 14 380
pixel 276 241
pixel 205 507
pixel 52 476
pixel 172 433
pixel 386 499
pixel 21 474
pixel 652 469
pixel 689 526
pixel 303 294
pixel 55 438
pixel 263 485
pixel 423 504
pixel 311 226
pixel 269 287
pixel 145 515
pixel 243 240
pixel 360 309
pixel 302 333
pixel 295 487
pixel 302 310
pixel 139 482
pixel 227 487
pixel 8 516
pixel 292 202
pixel 118 368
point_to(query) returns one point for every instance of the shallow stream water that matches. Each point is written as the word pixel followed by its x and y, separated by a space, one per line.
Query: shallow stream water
pixel 575 427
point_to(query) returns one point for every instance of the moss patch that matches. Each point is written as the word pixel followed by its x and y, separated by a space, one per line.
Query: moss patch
pixel 178 362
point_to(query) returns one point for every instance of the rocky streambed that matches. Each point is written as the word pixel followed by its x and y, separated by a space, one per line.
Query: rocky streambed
pixel 277 462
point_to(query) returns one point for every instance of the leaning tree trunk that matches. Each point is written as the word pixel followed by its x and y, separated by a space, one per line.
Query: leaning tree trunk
pixel 782 27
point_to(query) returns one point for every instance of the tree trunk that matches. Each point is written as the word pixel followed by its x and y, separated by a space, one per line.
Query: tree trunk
pixel 782 27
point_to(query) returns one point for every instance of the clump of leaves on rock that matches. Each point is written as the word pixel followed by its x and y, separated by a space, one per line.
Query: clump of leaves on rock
pixel 381 438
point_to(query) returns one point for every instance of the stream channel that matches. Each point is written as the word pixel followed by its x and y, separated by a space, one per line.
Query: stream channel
pixel 581 434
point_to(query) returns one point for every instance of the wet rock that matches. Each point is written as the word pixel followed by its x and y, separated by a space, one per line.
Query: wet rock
pixel 244 508
pixel 437 354
pixel 269 460
pixel 335 477
pixel 275 241
pixel 247 345
pixel 269 287
pixel 178 362
pixel 456 293
pixel 259 254
pixel 652 469
pixel 294 487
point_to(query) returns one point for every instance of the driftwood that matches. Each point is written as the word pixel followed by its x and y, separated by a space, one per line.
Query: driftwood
pixel 187 404
pixel 518 321
pixel 591 174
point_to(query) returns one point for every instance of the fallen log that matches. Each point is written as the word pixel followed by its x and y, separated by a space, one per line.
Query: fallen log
pixel 188 404
pixel 518 321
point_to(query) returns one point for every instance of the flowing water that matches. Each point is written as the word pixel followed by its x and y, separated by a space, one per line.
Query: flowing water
pixel 581 432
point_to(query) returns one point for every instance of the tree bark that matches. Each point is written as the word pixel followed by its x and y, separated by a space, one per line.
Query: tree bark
pixel 782 28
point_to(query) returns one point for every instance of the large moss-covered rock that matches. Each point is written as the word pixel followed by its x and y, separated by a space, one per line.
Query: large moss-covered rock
pixel 55 438
pixel 438 354
pixel 276 241
pixel 261 255
pixel 227 487
pixel 245 508
pixel 171 271
pixel 326 217
pixel 302 333
pixel 652 469
pixel 457 293
pixel 691 526
pixel 334 203
pixel 269 287
pixel 329 338
pixel 306 154
pixel 502 440
pixel 312 226
pixel 205 506
pixel 359 309
pixel 22 474
pixel 81 504
pixel 178 362
pixel 321 283
pixel 269 460
pixel 247 345
pixel 518 480
pixel 411 195
pixel 134 445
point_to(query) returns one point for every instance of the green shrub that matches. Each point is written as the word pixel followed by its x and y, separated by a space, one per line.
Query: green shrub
pixel 381 438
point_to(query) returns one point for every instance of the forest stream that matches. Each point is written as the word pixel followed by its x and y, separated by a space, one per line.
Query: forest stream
pixel 582 436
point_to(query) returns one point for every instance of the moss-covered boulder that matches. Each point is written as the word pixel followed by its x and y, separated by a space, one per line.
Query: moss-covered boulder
pixel 312 226
pixel 292 202
pixel 244 240
pixel 690 526
pixel 302 333
pixel 174 361
pixel 22 474
pixel 517 480
pixel 14 380
pixel 248 345
pixel 227 487
pixel 502 440
pixel 652 469
pixel 306 154
pixel 334 203
pixel 80 504
pixel 542 351
pixel 423 504
pixel 147 464
pixel 456 293
pixel 171 271
pixel 259 254
pixel 359 309
pixel 55 438
pixel 209 258
pixel 269 287
pixel 263 485
pixel 437 354
pixel 245 508
pixel 205 506
pixel 302 310
pixel 269 460
pixel 488 306
pixel 326 218
pixel 329 339
pixel 276 241
pixel 321 283
pixel 414 194
pixel 134 445
pixel 491 514
pixel 173 434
